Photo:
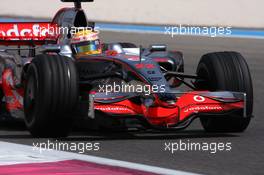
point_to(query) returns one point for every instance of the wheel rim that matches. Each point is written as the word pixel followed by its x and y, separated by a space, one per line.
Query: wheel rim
pixel 30 99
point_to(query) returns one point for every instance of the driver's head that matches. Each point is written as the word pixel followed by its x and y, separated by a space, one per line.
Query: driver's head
pixel 86 42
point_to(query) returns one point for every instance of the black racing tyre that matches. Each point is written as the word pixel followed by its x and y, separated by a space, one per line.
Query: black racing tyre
pixel 3 109
pixel 227 71
pixel 1 101
pixel 51 94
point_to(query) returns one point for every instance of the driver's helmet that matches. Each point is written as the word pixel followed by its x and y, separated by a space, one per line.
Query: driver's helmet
pixel 86 42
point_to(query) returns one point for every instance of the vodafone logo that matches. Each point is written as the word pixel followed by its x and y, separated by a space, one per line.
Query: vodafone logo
pixel 111 109
pixel 203 108
pixel 17 31
pixel 198 98
pixel 14 31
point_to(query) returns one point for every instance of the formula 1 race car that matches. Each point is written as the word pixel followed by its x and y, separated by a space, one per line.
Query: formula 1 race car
pixel 46 84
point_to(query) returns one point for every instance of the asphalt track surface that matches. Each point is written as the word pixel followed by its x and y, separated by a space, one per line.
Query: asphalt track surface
pixel 247 153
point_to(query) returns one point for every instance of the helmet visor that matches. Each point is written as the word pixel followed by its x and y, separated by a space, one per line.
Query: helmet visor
pixel 87 46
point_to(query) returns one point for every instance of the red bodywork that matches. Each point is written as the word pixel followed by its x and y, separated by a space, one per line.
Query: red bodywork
pixel 13 95
pixel 187 105
pixel 22 33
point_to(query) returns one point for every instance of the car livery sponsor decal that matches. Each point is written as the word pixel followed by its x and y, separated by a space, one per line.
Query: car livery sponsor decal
pixel 27 31
pixel 198 98
pixel 114 109
pixel 203 108
pixel 145 66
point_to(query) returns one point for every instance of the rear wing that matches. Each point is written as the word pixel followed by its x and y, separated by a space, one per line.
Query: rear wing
pixel 27 33
pixel 77 3
pixel 32 33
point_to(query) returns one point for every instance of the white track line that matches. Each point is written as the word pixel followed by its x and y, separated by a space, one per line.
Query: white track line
pixel 11 153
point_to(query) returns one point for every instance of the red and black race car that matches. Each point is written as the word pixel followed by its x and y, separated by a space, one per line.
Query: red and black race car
pixel 46 84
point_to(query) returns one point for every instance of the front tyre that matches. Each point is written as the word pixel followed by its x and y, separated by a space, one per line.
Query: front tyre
pixel 1 101
pixel 51 93
pixel 225 71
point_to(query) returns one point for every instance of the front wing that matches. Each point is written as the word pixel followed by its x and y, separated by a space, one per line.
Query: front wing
pixel 187 106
